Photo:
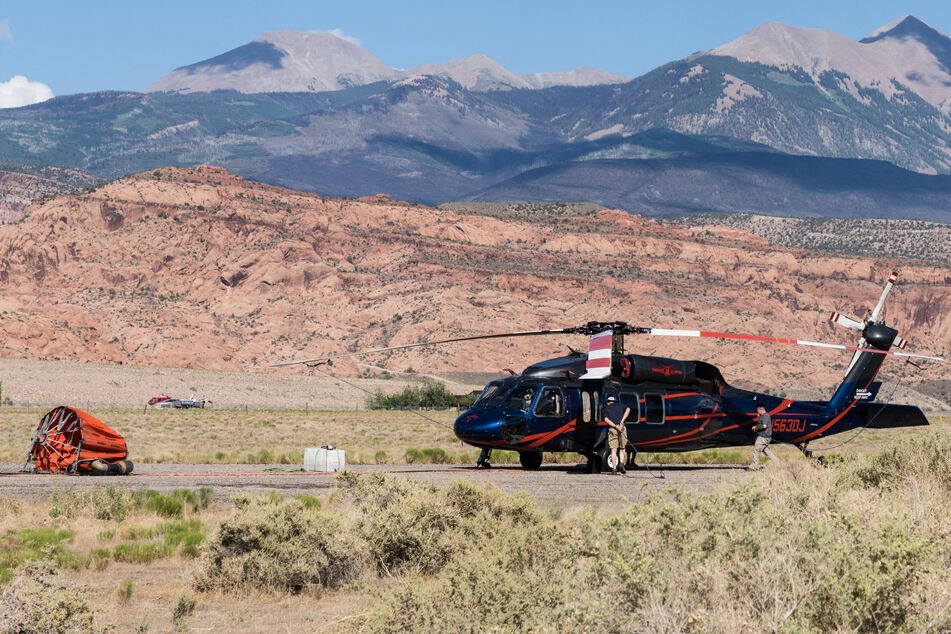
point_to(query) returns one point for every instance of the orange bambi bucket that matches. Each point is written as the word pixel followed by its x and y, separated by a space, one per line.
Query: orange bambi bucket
pixel 68 440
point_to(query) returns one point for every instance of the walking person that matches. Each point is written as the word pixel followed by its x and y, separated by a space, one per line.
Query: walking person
pixel 764 431
pixel 615 415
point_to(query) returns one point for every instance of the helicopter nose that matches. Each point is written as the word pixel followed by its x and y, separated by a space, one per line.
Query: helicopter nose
pixel 475 428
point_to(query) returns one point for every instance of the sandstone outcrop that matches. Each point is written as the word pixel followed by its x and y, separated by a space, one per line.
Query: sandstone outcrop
pixel 200 268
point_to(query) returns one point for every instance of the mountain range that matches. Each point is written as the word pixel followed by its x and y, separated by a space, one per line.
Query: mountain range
pixel 294 61
pixel 782 120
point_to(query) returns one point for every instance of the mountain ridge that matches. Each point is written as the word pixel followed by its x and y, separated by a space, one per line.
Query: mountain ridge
pixel 907 51
pixel 429 138
pixel 296 61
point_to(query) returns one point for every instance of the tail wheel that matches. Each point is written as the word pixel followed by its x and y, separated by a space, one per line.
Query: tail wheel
pixel 530 459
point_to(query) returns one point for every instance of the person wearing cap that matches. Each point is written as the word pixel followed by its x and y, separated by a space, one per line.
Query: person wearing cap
pixel 764 431
pixel 615 415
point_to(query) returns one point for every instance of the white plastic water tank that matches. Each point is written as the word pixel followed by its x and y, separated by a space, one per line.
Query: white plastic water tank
pixel 323 459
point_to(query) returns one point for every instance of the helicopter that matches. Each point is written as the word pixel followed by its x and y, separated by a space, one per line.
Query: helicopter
pixel 556 405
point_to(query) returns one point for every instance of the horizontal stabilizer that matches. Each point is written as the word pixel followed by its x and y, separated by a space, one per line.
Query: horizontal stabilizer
pixel 882 416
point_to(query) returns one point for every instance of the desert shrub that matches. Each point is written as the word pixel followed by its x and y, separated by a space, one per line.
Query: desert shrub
pixel 64 504
pixel 527 585
pixel 927 456
pixel 38 602
pixel 411 526
pixel 430 394
pixel 9 506
pixel 279 544
pixel 66 558
pixel 124 590
pixel 182 607
pixel 801 549
pixel 114 504
pixel 118 504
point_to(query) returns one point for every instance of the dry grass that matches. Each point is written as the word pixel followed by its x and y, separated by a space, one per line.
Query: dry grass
pixel 258 436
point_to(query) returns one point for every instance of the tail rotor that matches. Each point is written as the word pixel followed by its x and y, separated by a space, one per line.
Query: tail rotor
pixel 862 326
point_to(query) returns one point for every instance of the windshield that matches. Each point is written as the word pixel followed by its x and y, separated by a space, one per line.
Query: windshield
pixel 492 396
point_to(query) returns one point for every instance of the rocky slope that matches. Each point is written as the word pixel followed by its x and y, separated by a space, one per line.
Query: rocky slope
pixel 19 187
pixel 198 268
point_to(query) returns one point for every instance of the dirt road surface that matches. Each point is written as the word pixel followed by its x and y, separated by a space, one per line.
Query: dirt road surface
pixel 554 484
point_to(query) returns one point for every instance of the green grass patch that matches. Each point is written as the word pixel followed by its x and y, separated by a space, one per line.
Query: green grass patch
pixel 167 538
pixel 118 504
pixel 309 501
pixel 141 553
pixel 18 547
pixel 124 590
pixel 431 455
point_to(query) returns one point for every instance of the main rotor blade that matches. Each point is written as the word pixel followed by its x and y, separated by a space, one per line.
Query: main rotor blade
pixel 664 332
pixel 523 333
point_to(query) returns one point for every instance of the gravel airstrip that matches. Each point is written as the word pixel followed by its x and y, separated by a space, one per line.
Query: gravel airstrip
pixel 556 484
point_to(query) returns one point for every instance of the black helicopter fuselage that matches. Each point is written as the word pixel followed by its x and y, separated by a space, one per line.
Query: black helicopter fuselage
pixel 675 406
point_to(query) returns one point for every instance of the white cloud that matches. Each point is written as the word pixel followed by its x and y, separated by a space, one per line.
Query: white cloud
pixel 6 35
pixel 20 91
pixel 343 36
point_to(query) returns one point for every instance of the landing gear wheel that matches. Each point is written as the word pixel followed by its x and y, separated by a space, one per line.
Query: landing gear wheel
pixel 607 459
pixel 530 459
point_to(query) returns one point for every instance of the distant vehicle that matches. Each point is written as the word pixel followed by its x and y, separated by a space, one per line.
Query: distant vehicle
pixel 192 403
pixel 165 402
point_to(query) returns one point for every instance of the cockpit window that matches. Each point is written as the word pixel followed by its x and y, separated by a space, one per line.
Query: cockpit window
pixel 522 398
pixel 492 396
pixel 550 403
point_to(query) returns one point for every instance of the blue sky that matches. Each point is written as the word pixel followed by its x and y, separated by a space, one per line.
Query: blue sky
pixel 74 47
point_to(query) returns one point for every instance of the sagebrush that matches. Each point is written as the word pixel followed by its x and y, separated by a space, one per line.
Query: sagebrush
pixel 858 546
